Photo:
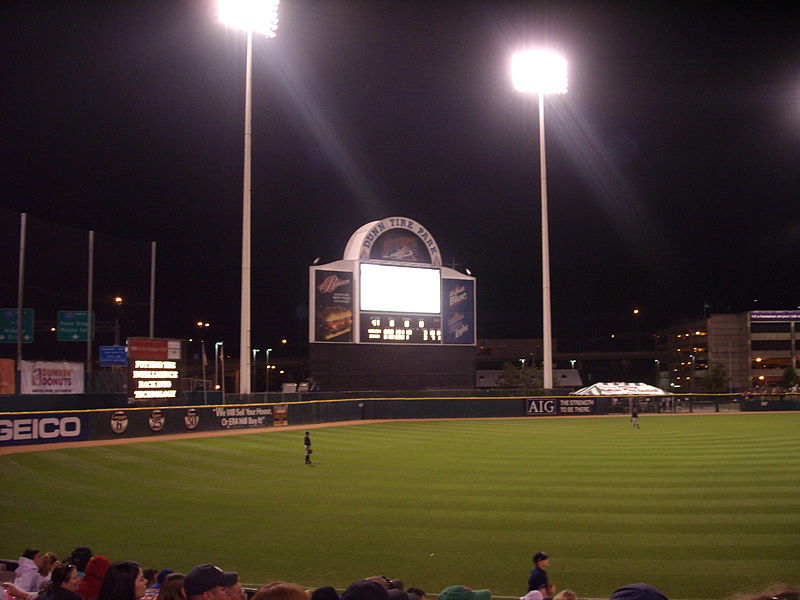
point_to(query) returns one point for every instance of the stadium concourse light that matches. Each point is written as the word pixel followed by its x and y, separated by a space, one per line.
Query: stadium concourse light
pixel 542 72
pixel 260 16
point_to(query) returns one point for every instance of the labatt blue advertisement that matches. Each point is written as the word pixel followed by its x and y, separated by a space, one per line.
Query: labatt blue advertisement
pixel 458 311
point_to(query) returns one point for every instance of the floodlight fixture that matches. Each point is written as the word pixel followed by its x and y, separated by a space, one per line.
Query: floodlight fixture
pixel 260 16
pixel 539 71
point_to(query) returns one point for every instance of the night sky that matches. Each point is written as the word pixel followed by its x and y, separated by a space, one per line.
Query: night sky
pixel 672 161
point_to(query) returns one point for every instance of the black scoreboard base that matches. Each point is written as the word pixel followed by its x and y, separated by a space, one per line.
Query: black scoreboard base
pixel 347 367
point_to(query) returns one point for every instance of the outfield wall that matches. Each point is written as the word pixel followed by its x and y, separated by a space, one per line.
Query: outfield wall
pixel 43 427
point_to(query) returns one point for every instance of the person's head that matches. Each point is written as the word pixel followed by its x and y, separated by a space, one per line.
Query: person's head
pixel 419 593
pixel 207 582
pixel 366 589
pixel 325 593
pixel 124 580
pixel 279 590
pixel 34 555
pixel 777 591
pixel 461 592
pixel 637 591
pixel 150 576
pixel 97 568
pixel 49 561
pixel 236 592
pixel 541 560
pixel 172 587
pixel 80 558
pixel 566 595
pixel 64 576
pixel 162 575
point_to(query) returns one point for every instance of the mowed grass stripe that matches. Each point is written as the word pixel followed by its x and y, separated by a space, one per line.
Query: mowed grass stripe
pixel 680 503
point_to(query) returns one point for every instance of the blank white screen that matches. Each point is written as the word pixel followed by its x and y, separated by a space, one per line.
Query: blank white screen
pixel 400 289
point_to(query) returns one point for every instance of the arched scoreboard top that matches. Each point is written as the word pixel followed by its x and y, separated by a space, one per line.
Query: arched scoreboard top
pixel 394 239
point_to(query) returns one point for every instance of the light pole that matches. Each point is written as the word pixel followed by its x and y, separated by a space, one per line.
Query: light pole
pixel 268 351
pixel 217 346
pixel 542 72
pixel 262 17
pixel 255 351
pixel 118 301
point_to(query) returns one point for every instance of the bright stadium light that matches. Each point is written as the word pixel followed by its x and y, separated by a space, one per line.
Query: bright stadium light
pixel 260 16
pixel 541 72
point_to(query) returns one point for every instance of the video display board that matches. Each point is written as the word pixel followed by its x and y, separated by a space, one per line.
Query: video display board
pixel 154 369
pixel 391 288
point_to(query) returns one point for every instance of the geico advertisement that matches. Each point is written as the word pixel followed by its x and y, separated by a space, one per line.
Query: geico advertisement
pixel 42 429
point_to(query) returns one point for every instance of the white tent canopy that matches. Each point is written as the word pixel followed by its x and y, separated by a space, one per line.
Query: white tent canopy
pixel 620 389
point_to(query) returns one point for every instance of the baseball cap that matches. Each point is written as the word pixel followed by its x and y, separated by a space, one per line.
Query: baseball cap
pixel 162 575
pixel 461 592
pixel 365 589
pixel 637 591
pixel 206 577
pixel 540 556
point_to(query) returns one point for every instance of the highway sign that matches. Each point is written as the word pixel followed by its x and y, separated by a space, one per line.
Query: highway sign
pixel 73 326
pixel 113 356
pixel 8 325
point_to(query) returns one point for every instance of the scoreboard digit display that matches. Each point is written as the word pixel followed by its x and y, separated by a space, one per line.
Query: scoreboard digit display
pixel 401 328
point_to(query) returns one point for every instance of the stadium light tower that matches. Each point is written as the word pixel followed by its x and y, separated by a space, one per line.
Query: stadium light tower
pixel 260 16
pixel 542 72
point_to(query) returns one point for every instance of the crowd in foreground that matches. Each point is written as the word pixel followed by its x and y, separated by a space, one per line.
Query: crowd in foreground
pixel 84 576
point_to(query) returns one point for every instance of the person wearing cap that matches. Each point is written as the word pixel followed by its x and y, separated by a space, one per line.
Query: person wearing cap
pixel 151 593
pixel 637 591
pixel 537 580
pixel 208 582
pixel 462 592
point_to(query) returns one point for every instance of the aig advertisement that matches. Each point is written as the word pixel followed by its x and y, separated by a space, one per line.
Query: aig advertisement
pixel 551 407
pixel 45 428
pixel 333 301
pixel 458 312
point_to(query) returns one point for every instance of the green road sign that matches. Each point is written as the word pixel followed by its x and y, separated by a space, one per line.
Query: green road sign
pixel 8 325
pixel 73 326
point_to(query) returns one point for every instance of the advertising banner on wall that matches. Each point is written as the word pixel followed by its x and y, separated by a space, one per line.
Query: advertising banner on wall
pixel 42 428
pixel 333 303
pixel 458 312
pixel 551 407
pixel 37 377
pixel 155 421
pixel 7 376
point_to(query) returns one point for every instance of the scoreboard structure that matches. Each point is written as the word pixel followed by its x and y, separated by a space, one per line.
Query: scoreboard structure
pixel 389 291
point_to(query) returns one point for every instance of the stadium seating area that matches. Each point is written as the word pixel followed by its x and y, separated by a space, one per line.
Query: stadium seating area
pixel 369 588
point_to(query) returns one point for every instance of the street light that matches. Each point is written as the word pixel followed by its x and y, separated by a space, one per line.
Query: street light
pixel 217 346
pixel 255 351
pixel 118 301
pixel 542 72
pixel 261 17
pixel 268 351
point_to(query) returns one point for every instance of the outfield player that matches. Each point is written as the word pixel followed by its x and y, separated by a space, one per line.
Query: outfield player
pixel 635 417
pixel 307 445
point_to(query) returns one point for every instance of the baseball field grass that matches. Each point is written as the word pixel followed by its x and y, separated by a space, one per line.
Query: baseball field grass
pixel 701 506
